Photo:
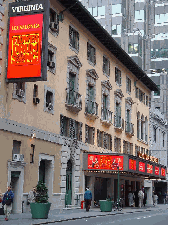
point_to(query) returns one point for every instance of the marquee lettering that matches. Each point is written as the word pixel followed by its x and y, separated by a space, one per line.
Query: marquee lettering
pixel 27 8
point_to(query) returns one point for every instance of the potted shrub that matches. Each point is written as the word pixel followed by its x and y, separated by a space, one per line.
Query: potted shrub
pixel 40 208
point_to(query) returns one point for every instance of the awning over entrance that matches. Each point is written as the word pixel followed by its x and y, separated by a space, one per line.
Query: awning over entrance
pixel 128 164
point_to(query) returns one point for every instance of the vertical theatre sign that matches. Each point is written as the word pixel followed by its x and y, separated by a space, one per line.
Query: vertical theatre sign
pixel 27 42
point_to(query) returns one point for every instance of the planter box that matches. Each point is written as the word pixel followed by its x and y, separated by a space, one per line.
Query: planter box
pixel 105 206
pixel 40 210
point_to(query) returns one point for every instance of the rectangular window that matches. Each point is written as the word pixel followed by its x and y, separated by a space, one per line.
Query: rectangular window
pixel 132 48
pixel 91 53
pixel 116 29
pixel 136 92
pixel 157 93
pixel 49 100
pixel 155 133
pixel 139 15
pixel 101 11
pixel 116 9
pixel 146 100
pixel 90 133
pixel 106 66
pixel 117 76
pixel 20 89
pixel 32 153
pixel 128 84
pixel 104 140
pixel 117 144
pixel 16 147
pixel 163 139
pixel 73 38
pixel 53 21
pixel 51 63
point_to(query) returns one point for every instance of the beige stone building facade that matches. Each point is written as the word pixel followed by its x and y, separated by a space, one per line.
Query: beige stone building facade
pixel 95 100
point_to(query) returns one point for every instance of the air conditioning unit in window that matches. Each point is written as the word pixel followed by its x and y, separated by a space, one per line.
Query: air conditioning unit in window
pixel 54 26
pixel 50 107
pixel 20 93
pixel 36 100
pixel 51 64
pixel 18 157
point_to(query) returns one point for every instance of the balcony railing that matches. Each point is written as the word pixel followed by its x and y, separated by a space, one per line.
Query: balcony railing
pixel 73 100
pixel 129 128
pixel 91 109
pixel 118 122
pixel 106 116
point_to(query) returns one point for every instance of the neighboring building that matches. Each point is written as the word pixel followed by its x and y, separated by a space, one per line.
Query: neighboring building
pixel 70 130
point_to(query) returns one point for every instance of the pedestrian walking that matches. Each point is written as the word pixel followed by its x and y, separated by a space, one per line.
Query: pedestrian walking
pixel 7 202
pixel 88 198
pixel 136 198
pixel 155 198
pixel 131 198
pixel 31 196
pixel 141 197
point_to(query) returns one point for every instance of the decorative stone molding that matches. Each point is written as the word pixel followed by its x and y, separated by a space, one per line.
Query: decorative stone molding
pixel 21 98
pixel 92 73
pixel 106 84
pixel 75 61
pixel 129 101
pixel 118 93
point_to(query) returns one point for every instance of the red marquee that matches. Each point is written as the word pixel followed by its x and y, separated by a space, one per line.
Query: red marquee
pixel 141 167
pixel 132 164
pixel 157 170
pixel 149 168
pixel 105 162
pixel 162 172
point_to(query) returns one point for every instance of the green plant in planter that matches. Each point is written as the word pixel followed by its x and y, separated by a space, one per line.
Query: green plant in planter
pixel 41 193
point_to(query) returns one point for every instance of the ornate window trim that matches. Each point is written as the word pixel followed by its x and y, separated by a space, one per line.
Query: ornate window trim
pixel 46 88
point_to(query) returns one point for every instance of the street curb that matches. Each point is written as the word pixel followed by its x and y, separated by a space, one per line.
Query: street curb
pixel 85 217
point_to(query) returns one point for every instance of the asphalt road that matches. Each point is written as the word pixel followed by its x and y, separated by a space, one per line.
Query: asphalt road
pixel 158 217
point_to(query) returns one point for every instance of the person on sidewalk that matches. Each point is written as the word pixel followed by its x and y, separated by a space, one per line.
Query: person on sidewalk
pixel 136 198
pixel 7 202
pixel 88 199
pixel 141 197
pixel 31 196
pixel 145 198
pixel 131 198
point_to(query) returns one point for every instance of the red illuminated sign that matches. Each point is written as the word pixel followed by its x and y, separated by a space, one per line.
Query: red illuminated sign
pixel 162 172
pixel 132 164
pixel 157 170
pixel 25 46
pixel 105 162
pixel 149 168
pixel 141 167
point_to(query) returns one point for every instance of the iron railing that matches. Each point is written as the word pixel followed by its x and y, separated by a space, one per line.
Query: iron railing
pixel 91 107
pixel 106 115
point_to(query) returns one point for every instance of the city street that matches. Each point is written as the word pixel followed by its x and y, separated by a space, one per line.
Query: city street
pixel 151 218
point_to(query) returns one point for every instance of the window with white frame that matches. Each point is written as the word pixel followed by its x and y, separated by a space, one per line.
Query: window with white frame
pixel 73 38
pixel 117 76
pixel 128 85
pixel 106 66
pixel 91 53
pixel 139 15
pixel 116 9
pixel 116 29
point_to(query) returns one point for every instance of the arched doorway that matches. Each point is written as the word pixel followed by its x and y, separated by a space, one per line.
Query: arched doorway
pixel 69 183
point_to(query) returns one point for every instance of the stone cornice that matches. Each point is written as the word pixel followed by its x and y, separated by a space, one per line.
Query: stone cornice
pixel 129 100
pixel 119 93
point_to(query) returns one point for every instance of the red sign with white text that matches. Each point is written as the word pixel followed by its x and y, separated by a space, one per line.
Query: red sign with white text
pixel 25 46
pixel 132 164
pixel 141 167
pixel 162 172
pixel 149 168
pixel 157 170
pixel 105 162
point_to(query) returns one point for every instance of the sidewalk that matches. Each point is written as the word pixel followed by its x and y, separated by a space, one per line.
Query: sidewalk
pixel 58 215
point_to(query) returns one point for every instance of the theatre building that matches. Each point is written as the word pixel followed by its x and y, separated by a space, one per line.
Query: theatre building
pixel 90 114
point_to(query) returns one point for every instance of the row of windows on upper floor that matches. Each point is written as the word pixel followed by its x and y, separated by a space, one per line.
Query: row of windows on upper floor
pixel 73 129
